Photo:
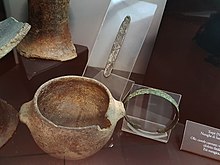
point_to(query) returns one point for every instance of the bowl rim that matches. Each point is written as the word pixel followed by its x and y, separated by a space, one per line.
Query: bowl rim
pixel 37 93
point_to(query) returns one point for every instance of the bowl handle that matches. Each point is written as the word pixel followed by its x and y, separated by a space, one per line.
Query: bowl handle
pixel 116 112
pixel 24 113
pixel 120 109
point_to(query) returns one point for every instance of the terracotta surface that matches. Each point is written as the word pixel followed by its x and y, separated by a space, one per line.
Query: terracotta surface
pixel 49 37
pixel 72 117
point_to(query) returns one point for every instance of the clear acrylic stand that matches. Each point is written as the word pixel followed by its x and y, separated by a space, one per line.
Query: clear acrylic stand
pixel 141 14
pixel 151 113
pixel 158 113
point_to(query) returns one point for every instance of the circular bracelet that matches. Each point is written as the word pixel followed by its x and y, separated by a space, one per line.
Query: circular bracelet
pixel 159 93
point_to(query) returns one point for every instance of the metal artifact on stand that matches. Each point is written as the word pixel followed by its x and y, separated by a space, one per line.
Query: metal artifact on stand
pixel 114 71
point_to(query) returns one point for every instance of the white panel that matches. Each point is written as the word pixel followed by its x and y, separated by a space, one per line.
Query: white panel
pixel 16 9
pixel 86 17
pixel 145 54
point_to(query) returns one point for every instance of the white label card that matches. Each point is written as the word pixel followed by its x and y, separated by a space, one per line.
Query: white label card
pixel 201 139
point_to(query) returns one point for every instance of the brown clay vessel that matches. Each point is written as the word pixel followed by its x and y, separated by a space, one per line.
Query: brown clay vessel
pixel 49 37
pixel 72 117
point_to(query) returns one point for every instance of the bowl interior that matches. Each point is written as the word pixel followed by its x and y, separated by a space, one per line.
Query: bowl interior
pixel 74 102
